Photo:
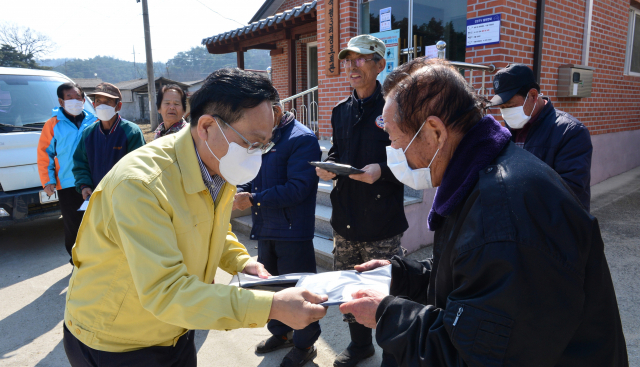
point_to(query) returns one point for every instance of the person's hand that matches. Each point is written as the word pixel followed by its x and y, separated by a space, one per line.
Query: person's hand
pixel 256 268
pixel 50 189
pixel 242 201
pixel 324 174
pixel 371 264
pixel 86 192
pixel 371 174
pixel 297 307
pixel 364 306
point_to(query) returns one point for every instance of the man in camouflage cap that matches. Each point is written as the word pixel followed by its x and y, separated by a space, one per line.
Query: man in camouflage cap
pixel 368 213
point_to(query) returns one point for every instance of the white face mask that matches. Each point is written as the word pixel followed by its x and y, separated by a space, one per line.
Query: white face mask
pixel 238 166
pixel 417 179
pixel 105 112
pixel 515 116
pixel 73 106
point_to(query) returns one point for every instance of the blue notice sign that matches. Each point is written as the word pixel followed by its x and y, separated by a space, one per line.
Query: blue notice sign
pixel 483 31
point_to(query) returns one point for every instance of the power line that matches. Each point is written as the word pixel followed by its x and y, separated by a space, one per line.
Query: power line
pixel 203 4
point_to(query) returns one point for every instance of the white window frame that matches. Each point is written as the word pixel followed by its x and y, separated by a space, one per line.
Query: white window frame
pixel 633 12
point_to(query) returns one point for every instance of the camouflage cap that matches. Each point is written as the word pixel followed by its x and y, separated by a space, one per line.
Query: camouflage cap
pixel 364 44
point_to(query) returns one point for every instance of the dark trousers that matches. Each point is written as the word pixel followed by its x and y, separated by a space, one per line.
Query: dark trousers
pixel 182 355
pixel 70 202
pixel 285 257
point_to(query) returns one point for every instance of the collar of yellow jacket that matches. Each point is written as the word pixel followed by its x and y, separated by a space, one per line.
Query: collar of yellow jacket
pixel 188 161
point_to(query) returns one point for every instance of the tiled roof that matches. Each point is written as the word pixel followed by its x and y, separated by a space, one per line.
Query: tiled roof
pixel 131 84
pixel 267 22
pixel 136 83
pixel 87 83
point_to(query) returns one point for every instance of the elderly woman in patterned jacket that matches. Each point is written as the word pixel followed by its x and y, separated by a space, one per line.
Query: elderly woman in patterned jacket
pixel 171 103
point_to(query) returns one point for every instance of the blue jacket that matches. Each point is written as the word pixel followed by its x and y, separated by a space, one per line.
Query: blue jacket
pixel 284 192
pixel 564 143
pixel 97 153
pixel 58 142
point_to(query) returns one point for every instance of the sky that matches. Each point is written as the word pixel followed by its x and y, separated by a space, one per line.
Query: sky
pixel 88 28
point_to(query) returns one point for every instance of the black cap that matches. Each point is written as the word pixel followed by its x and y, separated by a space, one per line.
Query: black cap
pixel 508 82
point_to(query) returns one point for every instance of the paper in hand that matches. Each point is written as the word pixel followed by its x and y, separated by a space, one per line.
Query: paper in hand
pixel 84 206
pixel 340 285
pixel 249 281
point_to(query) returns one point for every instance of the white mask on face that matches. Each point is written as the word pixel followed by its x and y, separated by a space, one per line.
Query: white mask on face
pixel 417 179
pixel 515 116
pixel 238 166
pixel 73 106
pixel 105 112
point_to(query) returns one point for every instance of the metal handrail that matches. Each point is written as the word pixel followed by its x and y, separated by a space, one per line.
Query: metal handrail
pixel 467 66
pixel 305 113
pixel 288 99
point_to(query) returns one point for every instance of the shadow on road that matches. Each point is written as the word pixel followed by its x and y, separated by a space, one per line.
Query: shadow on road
pixel 33 320
pixel 31 249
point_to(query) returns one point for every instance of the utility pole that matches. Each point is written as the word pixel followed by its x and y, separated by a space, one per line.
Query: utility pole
pixel 151 80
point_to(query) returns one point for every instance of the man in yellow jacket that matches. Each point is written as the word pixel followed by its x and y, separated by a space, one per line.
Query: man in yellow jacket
pixel 157 228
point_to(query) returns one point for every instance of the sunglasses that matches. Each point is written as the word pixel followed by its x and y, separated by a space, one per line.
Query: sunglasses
pixel 252 147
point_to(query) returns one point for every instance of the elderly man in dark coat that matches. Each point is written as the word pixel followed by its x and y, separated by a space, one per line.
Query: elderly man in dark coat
pixel 518 275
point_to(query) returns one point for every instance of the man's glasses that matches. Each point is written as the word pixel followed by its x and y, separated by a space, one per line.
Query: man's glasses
pixel 359 62
pixel 252 147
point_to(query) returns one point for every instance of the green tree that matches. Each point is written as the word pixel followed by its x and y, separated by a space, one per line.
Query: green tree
pixel 197 63
pixel 11 57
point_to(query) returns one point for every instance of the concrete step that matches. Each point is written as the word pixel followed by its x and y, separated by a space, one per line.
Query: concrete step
pixel 323 217
pixel 324 191
pixel 324 255
pixel 325 146
pixel 322 243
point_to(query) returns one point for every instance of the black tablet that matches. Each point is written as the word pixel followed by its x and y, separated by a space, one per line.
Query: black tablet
pixel 337 168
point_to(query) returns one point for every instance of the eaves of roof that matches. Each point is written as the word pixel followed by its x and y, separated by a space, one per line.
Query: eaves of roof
pixel 278 19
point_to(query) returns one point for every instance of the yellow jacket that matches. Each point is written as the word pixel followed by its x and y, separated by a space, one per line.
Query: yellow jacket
pixel 147 252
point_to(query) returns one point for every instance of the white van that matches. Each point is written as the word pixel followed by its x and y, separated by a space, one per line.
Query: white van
pixel 26 99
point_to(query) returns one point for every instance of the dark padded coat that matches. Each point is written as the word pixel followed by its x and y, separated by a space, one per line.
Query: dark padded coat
pixel 564 143
pixel 362 211
pixel 284 192
pixel 518 278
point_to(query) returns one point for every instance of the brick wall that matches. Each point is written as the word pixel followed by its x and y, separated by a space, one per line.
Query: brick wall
pixel 615 101
pixel 333 89
pixel 614 104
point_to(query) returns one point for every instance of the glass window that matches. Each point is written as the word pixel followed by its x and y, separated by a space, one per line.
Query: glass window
pixel 633 47
pixel 435 20
pixel 27 100
pixel 370 17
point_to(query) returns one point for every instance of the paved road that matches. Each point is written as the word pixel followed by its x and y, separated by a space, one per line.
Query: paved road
pixel 34 275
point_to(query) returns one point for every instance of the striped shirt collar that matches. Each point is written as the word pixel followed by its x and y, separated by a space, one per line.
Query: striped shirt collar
pixel 214 184
pixel 113 128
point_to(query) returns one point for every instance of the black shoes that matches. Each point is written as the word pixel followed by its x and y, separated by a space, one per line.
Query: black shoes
pixel 354 354
pixel 274 343
pixel 299 357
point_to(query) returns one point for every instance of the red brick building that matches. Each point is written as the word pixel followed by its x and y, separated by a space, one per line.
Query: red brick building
pixel 602 35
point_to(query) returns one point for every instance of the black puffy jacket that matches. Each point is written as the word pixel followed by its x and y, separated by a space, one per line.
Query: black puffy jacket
pixel 518 278
pixel 362 211
pixel 563 143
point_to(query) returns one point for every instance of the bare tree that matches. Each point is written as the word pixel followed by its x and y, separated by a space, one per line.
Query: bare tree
pixel 26 40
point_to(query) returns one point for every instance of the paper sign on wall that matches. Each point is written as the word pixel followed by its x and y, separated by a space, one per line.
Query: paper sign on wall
pixel 392 53
pixel 430 52
pixel 385 19
pixel 483 31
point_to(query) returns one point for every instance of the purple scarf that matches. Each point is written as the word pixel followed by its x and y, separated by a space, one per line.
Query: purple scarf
pixel 479 147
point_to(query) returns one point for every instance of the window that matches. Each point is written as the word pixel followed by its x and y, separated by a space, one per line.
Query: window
pixel 632 65
pixel 432 20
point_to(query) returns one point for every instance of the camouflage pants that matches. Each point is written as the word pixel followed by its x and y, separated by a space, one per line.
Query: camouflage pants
pixel 347 254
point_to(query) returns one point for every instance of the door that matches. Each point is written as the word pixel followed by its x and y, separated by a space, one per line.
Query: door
pixel 312 81
pixel 422 23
